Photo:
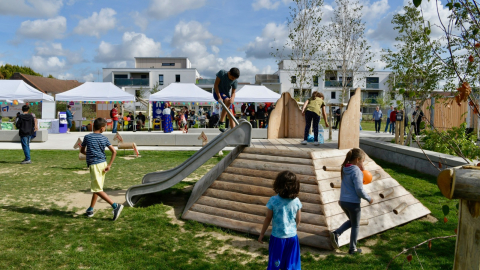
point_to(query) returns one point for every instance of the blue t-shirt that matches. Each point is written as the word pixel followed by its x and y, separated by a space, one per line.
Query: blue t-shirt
pixel 225 83
pixel 69 114
pixel 284 216
pixel 95 143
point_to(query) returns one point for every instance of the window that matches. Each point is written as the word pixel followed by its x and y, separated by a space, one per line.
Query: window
pixel 339 67
pixel 160 79
pixel 372 80
pixel 143 77
pixel 333 95
pixel 168 64
pixel 177 78
pixel 315 80
pixel 305 66
pixel 120 76
pixel 293 79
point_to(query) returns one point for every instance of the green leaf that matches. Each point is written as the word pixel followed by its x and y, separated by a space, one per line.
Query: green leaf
pixel 445 210
pixel 417 3
pixel 456 206
pixel 475 31
pixel 401 91
pixel 457 5
pixel 450 6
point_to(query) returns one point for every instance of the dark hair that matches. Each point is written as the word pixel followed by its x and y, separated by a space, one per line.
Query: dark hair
pixel 316 94
pixel 286 185
pixel 68 106
pixel 25 108
pixel 351 156
pixel 235 72
pixel 99 123
pixel 115 105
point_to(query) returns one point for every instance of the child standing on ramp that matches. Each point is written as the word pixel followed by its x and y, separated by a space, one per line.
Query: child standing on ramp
pixel 223 83
pixel 93 146
pixel 285 210
pixel 350 194
pixel 311 110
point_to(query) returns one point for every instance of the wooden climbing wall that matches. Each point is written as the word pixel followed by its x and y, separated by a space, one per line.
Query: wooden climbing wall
pixel 286 120
pixel 349 133
pixel 234 193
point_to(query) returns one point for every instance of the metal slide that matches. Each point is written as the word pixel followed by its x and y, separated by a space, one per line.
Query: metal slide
pixel 158 181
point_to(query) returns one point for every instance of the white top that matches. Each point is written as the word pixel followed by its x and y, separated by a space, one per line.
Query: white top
pixel 166 111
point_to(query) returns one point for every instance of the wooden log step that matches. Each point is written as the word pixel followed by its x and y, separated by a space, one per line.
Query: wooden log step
pixel 324 185
pixel 386 221
pixel 332 208
pixel 312 208
pixel 329 153
pixel 374 187
pixel 307 179
pixel 277 152
pixel 224 210
pixel 270 166
pixel 278 159
pixel 253 228
pixel 260 191
pixel 263 182
pixel 324 175
pixel 337 162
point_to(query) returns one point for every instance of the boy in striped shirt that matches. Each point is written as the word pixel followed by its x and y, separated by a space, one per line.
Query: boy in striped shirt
pixel 93 146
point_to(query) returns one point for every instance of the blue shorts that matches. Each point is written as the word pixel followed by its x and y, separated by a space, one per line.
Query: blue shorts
pixel 224 96
pixel 284 253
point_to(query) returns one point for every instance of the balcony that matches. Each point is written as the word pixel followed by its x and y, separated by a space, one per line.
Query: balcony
pixel 336 84
pixel 373 85
pixel 132 82
pixel 205 81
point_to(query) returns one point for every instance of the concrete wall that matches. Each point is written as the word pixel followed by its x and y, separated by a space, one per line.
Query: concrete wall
pixel 12 136
pixel 409 157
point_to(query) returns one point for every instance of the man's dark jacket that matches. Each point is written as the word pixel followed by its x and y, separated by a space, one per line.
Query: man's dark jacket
pixel 25 125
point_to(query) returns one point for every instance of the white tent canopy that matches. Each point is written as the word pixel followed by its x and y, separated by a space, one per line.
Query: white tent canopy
pixel 95 91
pixel 18 90
pixel 182 92
pixel 256 93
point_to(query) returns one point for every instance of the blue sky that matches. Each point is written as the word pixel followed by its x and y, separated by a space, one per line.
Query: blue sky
pixel 75 39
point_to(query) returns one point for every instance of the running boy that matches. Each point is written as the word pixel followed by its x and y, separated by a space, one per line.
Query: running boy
pixel 93 146
pixel 285 210
pixel 223 83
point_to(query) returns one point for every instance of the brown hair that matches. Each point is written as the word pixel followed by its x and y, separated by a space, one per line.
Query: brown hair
pixel 287 185
pixel 316 94
pixel 99 123
pixel 353 154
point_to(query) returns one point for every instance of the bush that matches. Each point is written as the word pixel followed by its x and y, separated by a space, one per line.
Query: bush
pixel 457 135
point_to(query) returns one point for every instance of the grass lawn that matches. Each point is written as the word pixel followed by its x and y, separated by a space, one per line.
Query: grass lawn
pixel 42 229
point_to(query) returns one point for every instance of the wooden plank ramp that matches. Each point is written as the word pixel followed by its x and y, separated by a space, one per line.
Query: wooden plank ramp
pixel 233 194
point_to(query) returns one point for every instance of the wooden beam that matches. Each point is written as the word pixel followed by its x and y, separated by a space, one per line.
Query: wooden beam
pixel 332 169
pixel 277 152
pixel 334 194
pixel 270 166
pixel 387 192
pixel 467 248
pixel 278 159
pixel 399 209
pixel 460 184
pixel 307 179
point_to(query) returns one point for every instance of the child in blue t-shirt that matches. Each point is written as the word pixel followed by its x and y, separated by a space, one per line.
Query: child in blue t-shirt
pixel 284 209
pixel 93 146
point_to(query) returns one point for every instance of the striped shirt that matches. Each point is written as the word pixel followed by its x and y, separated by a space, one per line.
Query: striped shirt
pixel 95 143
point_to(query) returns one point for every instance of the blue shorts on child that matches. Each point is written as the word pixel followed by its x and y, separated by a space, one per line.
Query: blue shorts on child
pixel 284 253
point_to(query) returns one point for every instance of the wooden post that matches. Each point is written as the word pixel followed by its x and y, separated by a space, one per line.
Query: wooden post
pixel 363 222
pixel 384 194
pixel 349 130
pixel 402 130
pixel 336 184
pixel 397 129
pixel 399 209
pixel 463 184
pixel 332 169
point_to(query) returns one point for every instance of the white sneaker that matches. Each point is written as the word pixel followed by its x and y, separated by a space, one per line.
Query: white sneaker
pixel 304 142
pixel 316 143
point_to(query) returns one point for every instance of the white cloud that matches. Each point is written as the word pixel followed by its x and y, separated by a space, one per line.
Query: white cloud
pixel 97 24
pixel 273 37
pixel 266 4
pixel 163 9
pixel 139 19
pixel 56 49
pixel 43 29
pixel 46 65
pixel 89 78
pixel 192 31
pixel 215 49
pixel 30 8
pixel 373 11
pixel 133 45
pixel 65 76
pixel 267 70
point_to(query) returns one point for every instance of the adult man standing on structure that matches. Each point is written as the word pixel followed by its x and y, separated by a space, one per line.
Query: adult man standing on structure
pixel 377 116
pixel 223 83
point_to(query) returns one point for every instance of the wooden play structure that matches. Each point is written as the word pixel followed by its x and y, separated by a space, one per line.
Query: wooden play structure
pixel 204 139
pixel 463 183
pixel 78 145
pixel 286 121
pixel 234 193
pixel 349 130
pixel 125 145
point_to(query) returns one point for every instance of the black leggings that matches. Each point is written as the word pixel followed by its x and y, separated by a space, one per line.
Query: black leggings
pixel 309 116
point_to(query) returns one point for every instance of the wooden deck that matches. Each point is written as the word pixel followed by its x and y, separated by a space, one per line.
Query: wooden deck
pixel 291 144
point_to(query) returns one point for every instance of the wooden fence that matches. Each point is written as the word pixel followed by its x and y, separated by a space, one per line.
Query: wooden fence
pixel 447 113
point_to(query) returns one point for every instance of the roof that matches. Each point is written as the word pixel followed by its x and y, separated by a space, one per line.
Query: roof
pixel 47 85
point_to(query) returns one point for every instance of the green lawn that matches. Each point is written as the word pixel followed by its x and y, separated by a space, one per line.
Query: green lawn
pixel 38 233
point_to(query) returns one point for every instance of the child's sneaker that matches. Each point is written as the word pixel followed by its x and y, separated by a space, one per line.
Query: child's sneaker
pixel 117 211
pixel 334 240
pixel 221 127
pixel 89 213
pixel 304 142
pixel 316 143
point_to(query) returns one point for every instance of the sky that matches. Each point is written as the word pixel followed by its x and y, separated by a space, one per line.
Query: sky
pixel 75 39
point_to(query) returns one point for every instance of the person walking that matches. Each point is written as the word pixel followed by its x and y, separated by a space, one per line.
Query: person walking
pixel 311 110
pixel 388 120
pixel 393 120
pixel 114 115
pixel 419 119
pixel 26 126
pixel 361 117
pixel 351 193
pixel 70 115
pixel 338 114
pixel 377 117
pixel 285 211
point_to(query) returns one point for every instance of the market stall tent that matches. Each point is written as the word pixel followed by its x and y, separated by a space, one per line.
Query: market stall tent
pixel 18 90
pixel 256 93
pixel 95 91
pixel 182 92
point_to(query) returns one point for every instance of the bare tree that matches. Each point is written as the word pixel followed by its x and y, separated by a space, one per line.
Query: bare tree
pixel 304 44
pixel 347 49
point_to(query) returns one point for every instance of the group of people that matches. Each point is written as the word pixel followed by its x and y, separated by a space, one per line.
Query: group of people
pixel 394 116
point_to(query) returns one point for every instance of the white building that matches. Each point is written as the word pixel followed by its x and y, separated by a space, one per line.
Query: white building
pixel 373 85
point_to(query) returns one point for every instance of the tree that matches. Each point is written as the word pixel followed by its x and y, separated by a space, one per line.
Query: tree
pixel 416 69
pixel 347 49
pixel 304 43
